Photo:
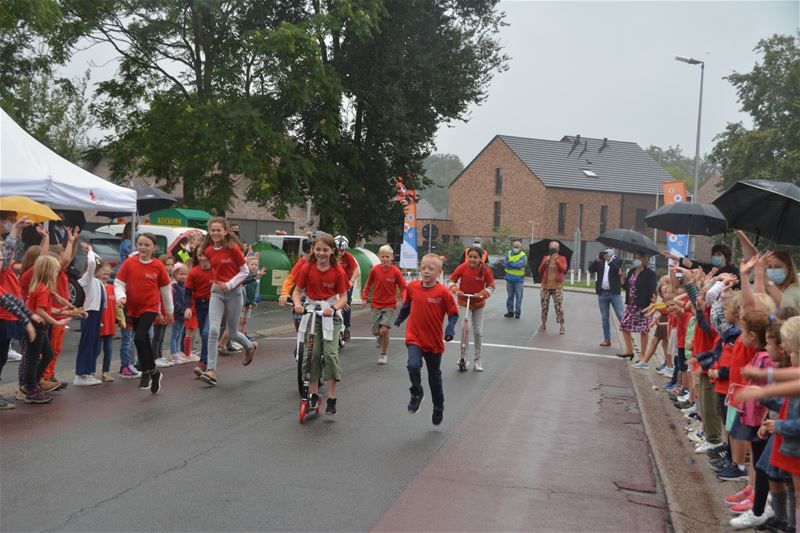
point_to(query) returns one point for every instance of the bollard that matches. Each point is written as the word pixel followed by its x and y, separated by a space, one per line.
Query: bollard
pixel 572 276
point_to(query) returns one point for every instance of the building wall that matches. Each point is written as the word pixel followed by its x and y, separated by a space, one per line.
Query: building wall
pixel 472 196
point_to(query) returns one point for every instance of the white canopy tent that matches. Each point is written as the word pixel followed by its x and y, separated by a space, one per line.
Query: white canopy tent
pixel 28 168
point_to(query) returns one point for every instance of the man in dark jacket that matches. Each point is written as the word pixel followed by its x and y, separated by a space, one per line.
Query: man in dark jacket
pixel 608 270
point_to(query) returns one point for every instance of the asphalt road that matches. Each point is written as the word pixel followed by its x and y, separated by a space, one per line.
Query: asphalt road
pixel 547 439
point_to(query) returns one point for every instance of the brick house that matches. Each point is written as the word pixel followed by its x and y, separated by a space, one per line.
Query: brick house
pixel 552 188
pixel 253 219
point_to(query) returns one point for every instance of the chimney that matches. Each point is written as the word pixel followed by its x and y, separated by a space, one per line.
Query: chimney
pixel 577 141
pixel 604 145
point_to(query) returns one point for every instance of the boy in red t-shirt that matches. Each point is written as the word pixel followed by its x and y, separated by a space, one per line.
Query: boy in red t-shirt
pixel 430 302
pixel 386 279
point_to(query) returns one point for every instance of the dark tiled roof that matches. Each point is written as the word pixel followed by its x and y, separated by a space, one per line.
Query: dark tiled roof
pixel 619 166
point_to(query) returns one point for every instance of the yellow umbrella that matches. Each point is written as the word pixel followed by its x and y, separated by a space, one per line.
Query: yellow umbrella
pixel 25 207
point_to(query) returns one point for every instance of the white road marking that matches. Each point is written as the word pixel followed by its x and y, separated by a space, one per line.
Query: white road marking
pixel 486 344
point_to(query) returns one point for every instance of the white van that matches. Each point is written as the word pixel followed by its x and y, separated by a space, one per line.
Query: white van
pixel 165 235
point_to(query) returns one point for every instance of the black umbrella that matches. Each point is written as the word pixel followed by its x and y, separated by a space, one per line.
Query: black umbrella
pixel 694 218
pixel 148 199
pixel 629 241
pixel 768 208
pixel 539 249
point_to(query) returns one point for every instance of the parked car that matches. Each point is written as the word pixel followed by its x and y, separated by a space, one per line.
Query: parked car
pixel 165 235
pixel 495 262
pixel 104 245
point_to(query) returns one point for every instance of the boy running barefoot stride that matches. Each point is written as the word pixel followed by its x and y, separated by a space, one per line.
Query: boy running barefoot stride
pixel 425 305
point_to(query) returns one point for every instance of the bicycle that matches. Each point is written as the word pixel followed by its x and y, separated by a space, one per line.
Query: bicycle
pixel 462 361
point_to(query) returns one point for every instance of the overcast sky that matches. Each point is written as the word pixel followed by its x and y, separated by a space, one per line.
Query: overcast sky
pixel 607 69
pixel 601 69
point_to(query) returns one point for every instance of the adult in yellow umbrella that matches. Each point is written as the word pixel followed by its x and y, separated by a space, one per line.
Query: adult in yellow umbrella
pixel 25 207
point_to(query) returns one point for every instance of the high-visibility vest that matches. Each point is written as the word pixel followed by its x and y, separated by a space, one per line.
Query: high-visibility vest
pixel 514 258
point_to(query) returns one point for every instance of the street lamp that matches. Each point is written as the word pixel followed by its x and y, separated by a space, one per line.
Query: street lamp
pixel 693 61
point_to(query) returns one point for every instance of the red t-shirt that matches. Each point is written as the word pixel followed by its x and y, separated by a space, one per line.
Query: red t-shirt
pixel 225 262
pixel 742 356
pixel 321 285
pixel 349 265
pixel 682 325
pixel 143 285
pixel 199 281
pixel 703 341
pixel 40 297
pixel 386 282
pixel 25 282
pixel 429 306
pixel 109 319
pixel 473 281
pixel 10 284
pixel 722 385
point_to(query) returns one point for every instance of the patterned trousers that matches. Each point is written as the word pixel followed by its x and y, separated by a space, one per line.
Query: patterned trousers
pixel 558 301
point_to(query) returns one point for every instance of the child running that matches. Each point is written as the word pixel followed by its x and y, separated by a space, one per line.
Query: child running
pixel 41 294
pixel 181 313
pixel 473 278
pixel 386 279
pixel 149 291
pixel 198 294
pixel 94 303
pixel 426 304
pixel 326 286
pixel 229 271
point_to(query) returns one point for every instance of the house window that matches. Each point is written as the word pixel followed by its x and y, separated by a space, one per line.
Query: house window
pixel 640 214
pixel 498 181
pixel 562 217
pixel 445 239
pixel 497 214
pixel 580 217
pixel 603 218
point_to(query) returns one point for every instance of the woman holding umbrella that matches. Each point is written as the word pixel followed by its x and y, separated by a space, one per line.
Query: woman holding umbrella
pixel 640 287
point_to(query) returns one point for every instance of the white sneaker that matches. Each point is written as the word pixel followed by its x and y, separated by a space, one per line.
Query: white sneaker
pixel 193 358
pixel 478 367
pixel 642 365
pixel 383 359
pixel 178 359
pixel 236 346
pixel 748 520
pixel 83 380
pixel 14 355
pixel 704 447
pixel 690 410
pixel 667 371
pixel 163 363
pixel 684 398
pixel 695 436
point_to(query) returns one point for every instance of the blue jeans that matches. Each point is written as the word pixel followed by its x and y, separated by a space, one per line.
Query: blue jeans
pixel 176 337
pixel 201 306
pixel 125 347
pixel 108 351
pixel 606 299
pixel 433 362
pixel 514 301
pixel 347 314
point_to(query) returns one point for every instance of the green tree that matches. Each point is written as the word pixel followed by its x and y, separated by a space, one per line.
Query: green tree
pixel 680 166
pixel 441 170
pixel 770 94
pixel 55 112
pixel 328 100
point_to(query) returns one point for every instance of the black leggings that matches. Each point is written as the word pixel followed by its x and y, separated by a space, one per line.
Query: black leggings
pixel 761 489
pixel 33 366
pixel 141 338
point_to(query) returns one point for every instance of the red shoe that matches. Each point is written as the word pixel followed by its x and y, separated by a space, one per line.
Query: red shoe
pixel 739 496
pixel 743 506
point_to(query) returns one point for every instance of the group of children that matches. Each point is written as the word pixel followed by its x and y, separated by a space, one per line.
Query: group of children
pixel 147 296
pixel 724 339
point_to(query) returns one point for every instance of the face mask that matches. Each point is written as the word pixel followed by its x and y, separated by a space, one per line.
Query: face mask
pixel 610 253
pixel 515 250
pixel 776 275
pixel 717 260
pixel 637 263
